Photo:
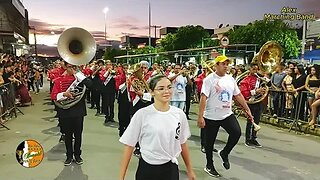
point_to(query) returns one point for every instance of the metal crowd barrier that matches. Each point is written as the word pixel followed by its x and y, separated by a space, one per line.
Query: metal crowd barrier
pixel 8 106
pixel 275 107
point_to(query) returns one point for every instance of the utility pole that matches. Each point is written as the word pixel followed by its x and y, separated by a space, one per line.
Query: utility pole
pixel 149 24
pixel 35 40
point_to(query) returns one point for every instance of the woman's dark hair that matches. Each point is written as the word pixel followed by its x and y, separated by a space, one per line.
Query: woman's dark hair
pixel 301 69
pixel 154 81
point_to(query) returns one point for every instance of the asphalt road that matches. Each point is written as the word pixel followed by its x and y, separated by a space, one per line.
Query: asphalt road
pixel 284 155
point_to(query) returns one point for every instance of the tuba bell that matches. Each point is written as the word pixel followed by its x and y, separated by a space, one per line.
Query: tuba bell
pixel 77 47
pixel 268 58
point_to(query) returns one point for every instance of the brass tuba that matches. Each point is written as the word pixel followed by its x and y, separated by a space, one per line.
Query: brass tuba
pixel 77 47
pixel 268 58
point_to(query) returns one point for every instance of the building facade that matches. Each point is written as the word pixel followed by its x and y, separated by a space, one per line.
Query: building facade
pixel 14 27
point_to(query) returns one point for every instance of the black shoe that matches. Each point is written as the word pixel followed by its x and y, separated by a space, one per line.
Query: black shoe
pixel 225 159
pixel 68 162
pixel 91 107
pixel 61 140
pixel 203 149
pixel 249 143
pixel 112 120
pixel 137 153
pixel 188 117
pixel 256 143
pixel 78 160
pixel 212 172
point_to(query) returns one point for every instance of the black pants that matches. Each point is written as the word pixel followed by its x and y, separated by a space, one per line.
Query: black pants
pixel 30 84
pixel 167 171
pixel 231 125
pixel 108 105
pixel 124 108
pixel 73 125
pixel 96 96
pixel 256 110
pixel 203 137
pixel 188 99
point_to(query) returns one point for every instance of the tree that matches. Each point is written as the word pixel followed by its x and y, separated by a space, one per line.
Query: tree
pixel 186 37
pixel 259 32
pixel 111 53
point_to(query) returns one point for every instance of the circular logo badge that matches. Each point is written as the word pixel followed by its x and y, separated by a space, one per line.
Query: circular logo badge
pixel 29 153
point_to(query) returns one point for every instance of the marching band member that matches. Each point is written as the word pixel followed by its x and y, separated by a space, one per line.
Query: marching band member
pixel 124 106
pixel 215 110
pixel 249 86
pixel 138 92
pixel 87 71
pixel 97 85
pixel 107 77
pixel 162 131
pixel 72 118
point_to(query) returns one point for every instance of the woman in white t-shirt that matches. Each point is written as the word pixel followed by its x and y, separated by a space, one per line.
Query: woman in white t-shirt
pixel 162 131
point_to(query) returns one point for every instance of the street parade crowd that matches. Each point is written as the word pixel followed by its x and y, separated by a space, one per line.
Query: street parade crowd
pixel 144 92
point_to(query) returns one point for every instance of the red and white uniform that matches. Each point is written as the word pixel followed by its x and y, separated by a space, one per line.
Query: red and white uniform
pixel 61 85
pixel 247 84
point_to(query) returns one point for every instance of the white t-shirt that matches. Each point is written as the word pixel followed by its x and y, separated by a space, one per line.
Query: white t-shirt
pixel 219 91
pixel 179 87
pixel 160 134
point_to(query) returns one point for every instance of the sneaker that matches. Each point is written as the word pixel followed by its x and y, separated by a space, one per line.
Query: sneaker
pixel 61 140
pixel 256 143
pixel 68 162
pixel 212 172
pixel 78 160
pixel 137 153
pixel 225 159
pixel 203 149
pixel 249 143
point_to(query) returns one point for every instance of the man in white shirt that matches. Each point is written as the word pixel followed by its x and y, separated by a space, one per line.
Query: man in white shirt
pixel 179 83
pixel 215 110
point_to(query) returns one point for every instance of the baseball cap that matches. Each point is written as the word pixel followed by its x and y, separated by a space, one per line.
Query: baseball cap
pixel 222 58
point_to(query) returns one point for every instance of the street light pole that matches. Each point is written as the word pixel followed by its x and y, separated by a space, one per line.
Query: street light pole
pixel 149 24
pixel 35 40
pixel 303 40
pixel 105 11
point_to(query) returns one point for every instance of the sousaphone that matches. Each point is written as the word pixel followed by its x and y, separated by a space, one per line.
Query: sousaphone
pixel 268 58
pixel 76 46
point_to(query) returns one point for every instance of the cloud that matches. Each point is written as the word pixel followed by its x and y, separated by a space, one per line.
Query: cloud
pixel 44 28
pixel 128 22
pixel 311 6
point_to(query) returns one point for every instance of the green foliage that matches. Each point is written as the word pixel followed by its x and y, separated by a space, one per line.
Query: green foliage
pixel 186 37
pixel 110 53
pixel 145 50
pixel 262 31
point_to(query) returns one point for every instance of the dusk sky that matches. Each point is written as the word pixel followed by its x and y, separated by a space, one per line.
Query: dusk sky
pixel 131 16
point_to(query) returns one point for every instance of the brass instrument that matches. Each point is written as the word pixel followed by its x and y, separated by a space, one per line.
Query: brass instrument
pixel 139 85
pixel 267 58
pixel 77 47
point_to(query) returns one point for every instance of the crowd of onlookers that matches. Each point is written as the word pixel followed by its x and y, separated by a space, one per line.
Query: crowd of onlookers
pixel 18 76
